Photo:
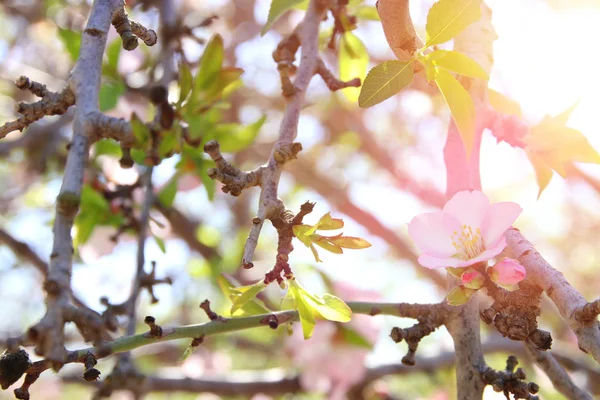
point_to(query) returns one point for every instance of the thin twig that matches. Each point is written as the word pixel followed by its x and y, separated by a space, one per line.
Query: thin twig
pixel 269 204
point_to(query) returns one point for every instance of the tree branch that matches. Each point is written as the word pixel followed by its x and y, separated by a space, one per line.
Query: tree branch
pixel 85 84
pixel 50 104
pixel 559 377
pixel 270 207
pixel 566 298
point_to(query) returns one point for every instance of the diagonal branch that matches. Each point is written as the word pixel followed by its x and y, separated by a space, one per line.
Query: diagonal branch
pixel 559 377
pixel 566 298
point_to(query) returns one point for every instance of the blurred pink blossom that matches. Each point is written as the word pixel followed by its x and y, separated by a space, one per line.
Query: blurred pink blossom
pixel 507 272
pixel 467 231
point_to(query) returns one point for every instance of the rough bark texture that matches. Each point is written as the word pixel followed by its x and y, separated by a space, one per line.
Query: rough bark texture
pixel 565 297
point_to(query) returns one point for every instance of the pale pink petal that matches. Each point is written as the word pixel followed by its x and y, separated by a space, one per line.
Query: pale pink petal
pixel 432 232
pixel 498 218
pixel 468 207
pixel 487 254
pixel 507 272
pixel 433 262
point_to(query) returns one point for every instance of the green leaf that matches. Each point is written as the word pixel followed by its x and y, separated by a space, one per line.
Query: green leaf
pixel 352 337
pixel 91 200
pixel 315 254
pixel 244 294
pixel 300 232
pixel 210 64
pixel 168 192
pixel 456 272
pixel 226 81
pixel 329 306
pixel 253 307
pixel 384 81
pixel 457 62
pixel 185 82
pixel 138 156
pixel 209 184
pixel 327 245
pixel 107 147
pixel 461 106
pixel 333 308
pixel 305 312
pixel 233 137
pixel 140 132
pixel 72 42
pixel 562 118
pixel 448 18
pixel 277 9
pixel 113 51
pixel 368 13
pixel 110 92
pixel 504 104
pixel 459 295
pixel 171 142
pixel 349 242
pixel 353 62
pixel 85 224
pixel 327 223
pixel 543 173
pixel 161 244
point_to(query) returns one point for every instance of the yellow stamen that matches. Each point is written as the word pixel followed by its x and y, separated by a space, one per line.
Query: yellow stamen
pixel 467 243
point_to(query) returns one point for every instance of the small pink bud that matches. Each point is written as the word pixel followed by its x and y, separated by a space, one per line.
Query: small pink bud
pixel 472 279
pixel 507 272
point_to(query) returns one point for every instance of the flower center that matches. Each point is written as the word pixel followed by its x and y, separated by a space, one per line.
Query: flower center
pixel 467 244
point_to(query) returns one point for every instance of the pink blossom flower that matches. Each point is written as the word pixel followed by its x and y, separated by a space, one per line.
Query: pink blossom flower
pixel 467 231
pixel 507 272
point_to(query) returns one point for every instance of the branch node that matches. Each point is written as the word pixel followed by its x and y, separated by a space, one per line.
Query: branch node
pixel 67 204
pixel 285 152
pixel 205 305
pixel 12 366
pixel 155 330
pixel 588 312
pixel 331 81
pixel 120 21
pixel 90 374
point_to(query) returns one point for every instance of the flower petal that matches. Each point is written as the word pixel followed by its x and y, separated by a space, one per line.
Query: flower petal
pixel 432 262
pixel 498 218
pixel 468 207
pixel 432 233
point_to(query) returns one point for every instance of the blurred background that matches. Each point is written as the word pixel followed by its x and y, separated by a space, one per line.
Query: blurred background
pixel 375 168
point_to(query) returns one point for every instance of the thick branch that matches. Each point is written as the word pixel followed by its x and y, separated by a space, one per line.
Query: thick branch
pixel 566 298
pixel 85 83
